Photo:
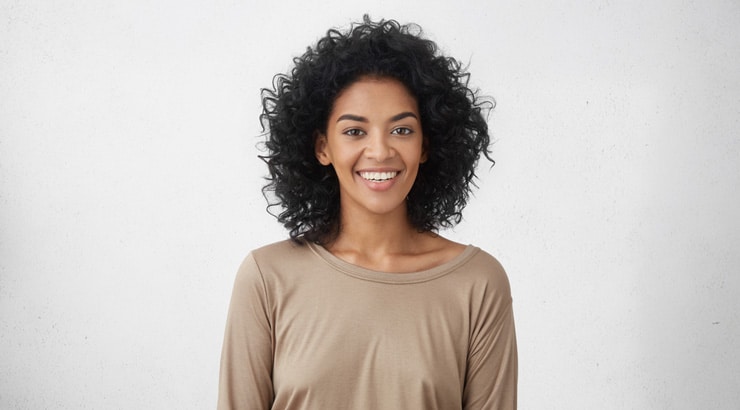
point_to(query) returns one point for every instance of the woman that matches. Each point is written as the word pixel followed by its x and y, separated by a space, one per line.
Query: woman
pixel 372 143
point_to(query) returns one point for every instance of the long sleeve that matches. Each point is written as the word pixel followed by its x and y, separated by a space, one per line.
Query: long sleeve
pixel 247 355
pixel 492 370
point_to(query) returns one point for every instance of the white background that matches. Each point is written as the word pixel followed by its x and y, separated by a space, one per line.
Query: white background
pixel 130 191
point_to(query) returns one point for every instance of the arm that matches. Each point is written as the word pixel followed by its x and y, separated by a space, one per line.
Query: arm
pixel 246 359
pixel 491 376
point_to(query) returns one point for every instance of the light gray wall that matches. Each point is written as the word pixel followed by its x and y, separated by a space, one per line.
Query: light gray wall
pixel 130 191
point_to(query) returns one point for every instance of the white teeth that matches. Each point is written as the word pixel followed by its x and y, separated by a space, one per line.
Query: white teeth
pixel 378 176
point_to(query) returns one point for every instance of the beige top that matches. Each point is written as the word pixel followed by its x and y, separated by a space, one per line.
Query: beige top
pixel 307 330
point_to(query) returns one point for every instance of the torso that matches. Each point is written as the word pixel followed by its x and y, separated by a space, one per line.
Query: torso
pixel 348 336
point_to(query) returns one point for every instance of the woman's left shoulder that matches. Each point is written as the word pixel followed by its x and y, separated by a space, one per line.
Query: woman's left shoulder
pixel 484 268
pixel 484 258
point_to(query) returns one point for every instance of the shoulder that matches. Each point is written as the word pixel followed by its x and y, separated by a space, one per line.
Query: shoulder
pixel 281 249
pixel 282 256
pixel 485 272
pixel 472 261
pixel 486 262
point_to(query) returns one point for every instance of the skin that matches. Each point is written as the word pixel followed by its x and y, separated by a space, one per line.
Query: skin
pixel 375 143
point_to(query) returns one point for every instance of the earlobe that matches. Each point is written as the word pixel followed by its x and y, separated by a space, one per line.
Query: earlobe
pixel 320 148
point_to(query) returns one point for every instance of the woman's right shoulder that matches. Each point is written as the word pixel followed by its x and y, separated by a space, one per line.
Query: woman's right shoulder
pixel 278 257
pixel 281 249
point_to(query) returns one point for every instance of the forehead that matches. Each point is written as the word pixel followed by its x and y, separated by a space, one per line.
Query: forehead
pixel 378 95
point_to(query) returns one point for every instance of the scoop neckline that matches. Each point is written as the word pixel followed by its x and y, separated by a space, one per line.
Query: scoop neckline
pixel 360 272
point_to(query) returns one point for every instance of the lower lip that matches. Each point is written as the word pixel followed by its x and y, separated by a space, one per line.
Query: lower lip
pixel 379 185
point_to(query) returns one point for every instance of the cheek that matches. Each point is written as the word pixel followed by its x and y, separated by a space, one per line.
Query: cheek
pixel 348 155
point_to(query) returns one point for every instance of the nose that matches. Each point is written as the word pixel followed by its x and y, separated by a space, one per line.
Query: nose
pixel 378 147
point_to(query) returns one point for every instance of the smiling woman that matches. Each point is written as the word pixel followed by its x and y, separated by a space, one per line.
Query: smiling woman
pixel 372 144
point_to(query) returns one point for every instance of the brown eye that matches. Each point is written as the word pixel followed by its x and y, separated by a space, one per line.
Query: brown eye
pixel 354 132
pixel 402 131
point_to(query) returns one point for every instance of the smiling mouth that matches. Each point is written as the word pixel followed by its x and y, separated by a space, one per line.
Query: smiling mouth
pixel 378 176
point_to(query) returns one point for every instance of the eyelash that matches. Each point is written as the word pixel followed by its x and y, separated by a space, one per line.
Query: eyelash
pixel 405 131
pixel 356 132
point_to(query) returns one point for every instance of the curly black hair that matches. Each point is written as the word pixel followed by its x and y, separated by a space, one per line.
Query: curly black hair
pixel 297 108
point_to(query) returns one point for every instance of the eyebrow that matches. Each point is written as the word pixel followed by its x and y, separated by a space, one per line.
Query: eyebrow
pixel 397 117
pixel 403 115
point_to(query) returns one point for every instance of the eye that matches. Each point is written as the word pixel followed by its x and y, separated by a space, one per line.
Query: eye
pixel 354 132
pixel 402 131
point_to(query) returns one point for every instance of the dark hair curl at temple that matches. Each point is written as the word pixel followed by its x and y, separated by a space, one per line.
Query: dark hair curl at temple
pixel 299 104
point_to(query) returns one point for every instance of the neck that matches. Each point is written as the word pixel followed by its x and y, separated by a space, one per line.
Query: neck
pixel 372 234
pixel 388 242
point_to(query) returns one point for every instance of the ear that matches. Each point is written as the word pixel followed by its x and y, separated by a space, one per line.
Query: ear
pixel 424 151
pixel 321 148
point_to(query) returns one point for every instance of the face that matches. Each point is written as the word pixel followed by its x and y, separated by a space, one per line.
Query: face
pixel 374 142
